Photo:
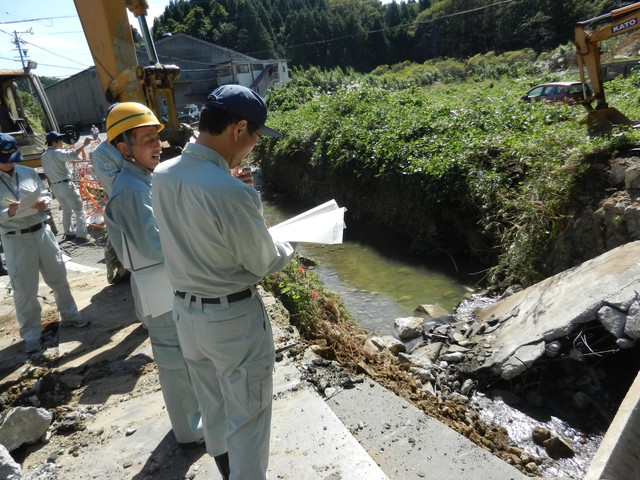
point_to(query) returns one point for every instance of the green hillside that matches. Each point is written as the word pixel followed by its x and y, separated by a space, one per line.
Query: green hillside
pixel 362 34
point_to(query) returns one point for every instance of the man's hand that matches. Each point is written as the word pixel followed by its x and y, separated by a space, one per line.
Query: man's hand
pixel 243 174
pixel 13 208
pixel 41 205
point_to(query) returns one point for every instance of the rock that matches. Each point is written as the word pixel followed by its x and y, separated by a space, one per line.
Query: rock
pixel 394 345
pixel 424 374
pixel 408 327
pixel 521 360
pixel 540 435
pixel 632 323
pixel 432 310
pixel 418 358
pixel 612 320
pixel 9 469
pixel 553 348
pixel 452 357
pixel 467 387
pixel 558 448
pixel 372 346
pixel 24 425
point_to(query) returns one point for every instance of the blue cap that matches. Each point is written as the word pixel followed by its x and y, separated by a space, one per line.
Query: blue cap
pixel 52 136
pixel 244 103
pixel 9 152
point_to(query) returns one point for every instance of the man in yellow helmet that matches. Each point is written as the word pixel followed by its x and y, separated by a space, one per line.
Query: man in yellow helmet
pixel 134 130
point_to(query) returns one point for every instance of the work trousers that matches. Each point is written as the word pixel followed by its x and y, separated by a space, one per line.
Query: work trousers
pixel 115 271
pixel 175 382
pixel 69 199
pixel 26 256
pixel 230 353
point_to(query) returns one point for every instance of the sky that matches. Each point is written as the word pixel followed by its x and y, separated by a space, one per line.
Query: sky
pixel 52 35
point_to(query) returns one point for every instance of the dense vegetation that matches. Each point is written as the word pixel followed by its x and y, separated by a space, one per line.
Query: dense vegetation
pixel 464 167
pixel 363 34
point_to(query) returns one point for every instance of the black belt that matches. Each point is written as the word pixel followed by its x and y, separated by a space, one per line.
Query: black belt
pixel 61 181
pixel 234 297
pixel 34 228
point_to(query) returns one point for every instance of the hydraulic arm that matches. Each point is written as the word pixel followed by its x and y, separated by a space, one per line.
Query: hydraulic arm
pixel 601 118
pixel 108 33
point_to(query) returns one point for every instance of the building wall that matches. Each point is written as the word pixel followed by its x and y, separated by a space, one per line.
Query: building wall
pixel 78 100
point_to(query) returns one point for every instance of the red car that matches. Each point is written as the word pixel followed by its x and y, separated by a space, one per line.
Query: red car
pixel 568 92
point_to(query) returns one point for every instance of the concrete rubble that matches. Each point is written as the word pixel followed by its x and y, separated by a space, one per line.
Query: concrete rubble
pixel 591 310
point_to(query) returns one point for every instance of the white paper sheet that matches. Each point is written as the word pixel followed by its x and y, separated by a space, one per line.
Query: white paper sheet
pixel 156 293
pixel 24 210
pixel 322 224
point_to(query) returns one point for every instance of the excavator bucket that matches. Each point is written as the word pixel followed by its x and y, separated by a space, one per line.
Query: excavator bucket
pixel 603 120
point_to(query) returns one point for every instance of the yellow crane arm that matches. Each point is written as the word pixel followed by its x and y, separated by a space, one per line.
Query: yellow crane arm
pixel 108 33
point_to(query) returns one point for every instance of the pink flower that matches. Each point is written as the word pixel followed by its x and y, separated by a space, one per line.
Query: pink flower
pixel 300 269
pixel 314 294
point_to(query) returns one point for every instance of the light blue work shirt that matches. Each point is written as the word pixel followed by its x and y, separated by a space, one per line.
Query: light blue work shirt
pixel 25 180
pixel 107 163
pixel 213 235
pixel 129 211
pixel 54 163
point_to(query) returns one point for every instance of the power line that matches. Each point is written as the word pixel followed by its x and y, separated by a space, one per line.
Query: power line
pixel 35 19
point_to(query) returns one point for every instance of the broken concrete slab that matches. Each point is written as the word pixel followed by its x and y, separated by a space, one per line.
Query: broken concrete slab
pixel 555 307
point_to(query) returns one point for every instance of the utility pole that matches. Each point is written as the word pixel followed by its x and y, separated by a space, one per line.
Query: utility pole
pixel 22 52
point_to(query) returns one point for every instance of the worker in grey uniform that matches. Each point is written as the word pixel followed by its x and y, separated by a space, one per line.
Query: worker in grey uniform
pixel 134 130
pixel 217 248
pixel 30 247
pixel 55 165
pixel 107 164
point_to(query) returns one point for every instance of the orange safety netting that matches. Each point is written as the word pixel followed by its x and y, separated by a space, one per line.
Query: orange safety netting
pixel 91 190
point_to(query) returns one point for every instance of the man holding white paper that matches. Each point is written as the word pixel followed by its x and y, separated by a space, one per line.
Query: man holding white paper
pixel 134 130
pixel 217 248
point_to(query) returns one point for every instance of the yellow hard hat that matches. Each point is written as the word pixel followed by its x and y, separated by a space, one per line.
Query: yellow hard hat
pixel 127 115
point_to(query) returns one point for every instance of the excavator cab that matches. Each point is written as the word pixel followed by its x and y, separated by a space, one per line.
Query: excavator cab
pixel 27 123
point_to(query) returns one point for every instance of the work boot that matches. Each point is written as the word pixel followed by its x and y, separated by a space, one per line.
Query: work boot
pixel 222 461
pixel 32 346
pixel 81 241
pixel 77 322
pixel 69 237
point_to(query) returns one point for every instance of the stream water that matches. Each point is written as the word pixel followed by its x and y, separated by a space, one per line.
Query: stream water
pixel 375 277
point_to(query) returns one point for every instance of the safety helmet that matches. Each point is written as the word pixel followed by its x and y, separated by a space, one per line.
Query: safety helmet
pixel 128 115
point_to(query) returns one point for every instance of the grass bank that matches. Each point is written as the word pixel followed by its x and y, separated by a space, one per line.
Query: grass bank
pixel 456 161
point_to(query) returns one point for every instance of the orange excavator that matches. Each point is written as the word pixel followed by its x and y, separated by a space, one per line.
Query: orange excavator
pixel 108 33
pixel 601 118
